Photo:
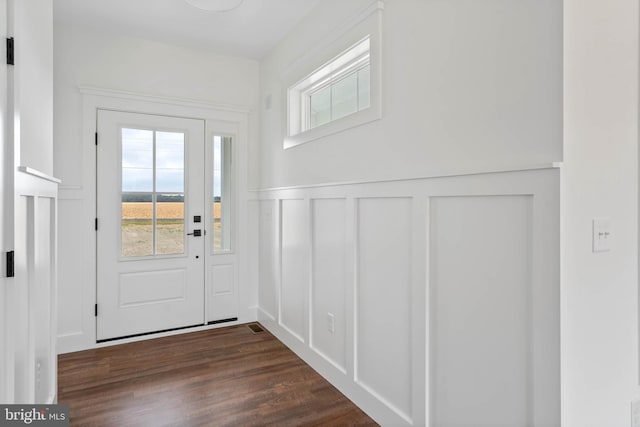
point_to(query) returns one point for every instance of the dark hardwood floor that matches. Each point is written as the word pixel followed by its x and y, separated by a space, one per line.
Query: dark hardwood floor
pixel 220 377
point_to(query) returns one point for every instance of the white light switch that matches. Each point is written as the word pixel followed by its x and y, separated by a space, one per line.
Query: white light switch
pixel 601 235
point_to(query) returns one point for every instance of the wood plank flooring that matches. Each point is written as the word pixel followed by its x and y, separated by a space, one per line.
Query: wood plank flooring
pixel 220 377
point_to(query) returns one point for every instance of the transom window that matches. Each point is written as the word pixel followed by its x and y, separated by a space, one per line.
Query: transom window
pixel 338 89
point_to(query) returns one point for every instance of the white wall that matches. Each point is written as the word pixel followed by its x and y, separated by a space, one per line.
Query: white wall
pixel 468 87
pixel 34 78
pixel 600 179
pixel 84 58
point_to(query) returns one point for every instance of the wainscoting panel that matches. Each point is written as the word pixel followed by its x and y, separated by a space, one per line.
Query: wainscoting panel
pixel 295 266
pixel 267 262
pixel 328 284
pixel 480 305
pixel 42 293
pixel 70 316
pixel 383 341
pixel 444 294
pixel 30 308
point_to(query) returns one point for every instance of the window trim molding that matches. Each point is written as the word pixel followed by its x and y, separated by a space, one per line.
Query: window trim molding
pixel 368 23
pixel 311 86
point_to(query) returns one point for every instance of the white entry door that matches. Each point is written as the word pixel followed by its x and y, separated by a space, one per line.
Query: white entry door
pixel 150 224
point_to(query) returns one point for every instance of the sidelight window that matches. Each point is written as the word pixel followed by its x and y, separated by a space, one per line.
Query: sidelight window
pixel 221 198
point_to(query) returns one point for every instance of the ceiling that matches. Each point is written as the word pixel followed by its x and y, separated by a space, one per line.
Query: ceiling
pixel 250 31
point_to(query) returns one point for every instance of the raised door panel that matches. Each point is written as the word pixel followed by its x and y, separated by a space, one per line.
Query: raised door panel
pixel 223 298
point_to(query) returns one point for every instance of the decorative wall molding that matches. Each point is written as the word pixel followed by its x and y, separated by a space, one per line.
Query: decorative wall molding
pixel 488 342
pixel 390 261
pixel 328 275
pixel 37 173
pixel 441 174
pixel 32 293
pixel 383 287
pixel 175 101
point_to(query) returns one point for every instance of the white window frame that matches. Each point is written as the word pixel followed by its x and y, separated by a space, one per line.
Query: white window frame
pixel 227 187
pixel 325 65
pixel 346 64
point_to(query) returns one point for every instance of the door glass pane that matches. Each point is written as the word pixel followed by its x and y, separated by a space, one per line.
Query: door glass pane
pixel 152 194
pixel 169 224
pixel 221 206
pixel 320 107
pixel 137 224
pixel 137 160
pixel 170 162
pixel 344 97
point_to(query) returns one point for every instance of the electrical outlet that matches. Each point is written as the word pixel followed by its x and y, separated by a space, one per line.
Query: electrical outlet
pixel 331 322
pixel 635 413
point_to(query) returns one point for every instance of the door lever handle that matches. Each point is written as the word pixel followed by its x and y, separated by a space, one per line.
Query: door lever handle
pixel 196 233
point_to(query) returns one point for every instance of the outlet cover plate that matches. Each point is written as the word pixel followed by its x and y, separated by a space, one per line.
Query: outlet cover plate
pixel 331 322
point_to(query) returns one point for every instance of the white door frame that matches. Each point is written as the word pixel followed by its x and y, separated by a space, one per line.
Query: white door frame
pixel 236 117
